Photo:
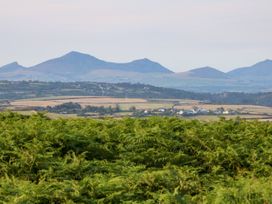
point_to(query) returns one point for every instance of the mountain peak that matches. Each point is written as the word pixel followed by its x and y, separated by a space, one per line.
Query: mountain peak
pixel 76 54
pixel 207 68
pixel 143 60
pixel 264 62
pixel 261 69
pixel 14 66
pixel 207 72
pixel 147 66
pixel 267 60
pixel 14 63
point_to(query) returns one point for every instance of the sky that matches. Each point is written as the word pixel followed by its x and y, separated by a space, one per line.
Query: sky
pixel 179 34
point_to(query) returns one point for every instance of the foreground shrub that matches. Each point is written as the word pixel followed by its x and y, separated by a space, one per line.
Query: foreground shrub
pixel 154 160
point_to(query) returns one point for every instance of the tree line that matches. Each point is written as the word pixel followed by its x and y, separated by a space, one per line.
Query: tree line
pixel 76 108
pixel 11 90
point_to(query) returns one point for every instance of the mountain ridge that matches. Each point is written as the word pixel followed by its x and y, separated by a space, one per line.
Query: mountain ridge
pixel 74 61
pixel 81 58
pixel 76 66
pixel 263 69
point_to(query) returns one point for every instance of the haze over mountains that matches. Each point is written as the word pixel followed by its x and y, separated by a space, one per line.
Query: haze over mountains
pixel 76 66
pixel 206 72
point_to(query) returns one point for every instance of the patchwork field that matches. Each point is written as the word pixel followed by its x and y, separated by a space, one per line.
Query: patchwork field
pixel 82 100
pixel 125 103
pixel 245 111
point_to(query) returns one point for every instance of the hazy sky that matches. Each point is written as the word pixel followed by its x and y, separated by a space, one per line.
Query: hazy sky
pixel 180 34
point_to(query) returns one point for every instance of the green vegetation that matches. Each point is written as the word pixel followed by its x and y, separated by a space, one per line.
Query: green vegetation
pixel 75 108
pixel 152 160
pixel 11 90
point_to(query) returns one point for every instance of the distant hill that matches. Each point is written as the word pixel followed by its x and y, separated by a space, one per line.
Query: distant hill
pixel 207 72
pixel 76 66
pixel 12 67
pixel 261 70
pixel 11 90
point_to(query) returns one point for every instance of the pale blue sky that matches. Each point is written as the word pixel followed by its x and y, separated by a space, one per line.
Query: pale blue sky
pixel 180 34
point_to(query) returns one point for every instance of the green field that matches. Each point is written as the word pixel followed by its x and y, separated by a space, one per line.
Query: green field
pixel 151 160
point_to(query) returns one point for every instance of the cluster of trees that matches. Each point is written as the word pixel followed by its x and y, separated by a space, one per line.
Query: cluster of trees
pixel 263 98
pixel 151 160
pixel 76 108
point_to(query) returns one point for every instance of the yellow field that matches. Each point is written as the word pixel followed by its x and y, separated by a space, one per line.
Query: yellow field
pixel 125 103
pixel 83 101
pixel 147 105
pixel 246 111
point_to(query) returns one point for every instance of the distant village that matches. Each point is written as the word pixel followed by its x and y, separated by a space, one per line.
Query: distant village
pixel 186 112
pixel 89 111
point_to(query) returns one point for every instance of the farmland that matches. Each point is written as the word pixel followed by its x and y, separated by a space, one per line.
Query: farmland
pixel 82 100
pixel 125 104
pixel 14 90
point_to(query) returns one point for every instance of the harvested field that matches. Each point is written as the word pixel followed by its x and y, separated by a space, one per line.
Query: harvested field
pixel 245 111
pixel 83 101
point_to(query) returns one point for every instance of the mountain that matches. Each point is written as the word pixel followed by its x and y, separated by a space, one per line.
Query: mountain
pixel 144 66
pixel 76 64
pixel 206 72
pixel 71 63
pixel 12 67
pixel 261 70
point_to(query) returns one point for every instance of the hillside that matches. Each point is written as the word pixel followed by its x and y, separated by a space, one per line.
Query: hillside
pixel 206 72
pixel 34 89
pixel 259 71
pixel 12 67
pixel 154 160
pixel 11 90
pixel 76 66
pixel 78 63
